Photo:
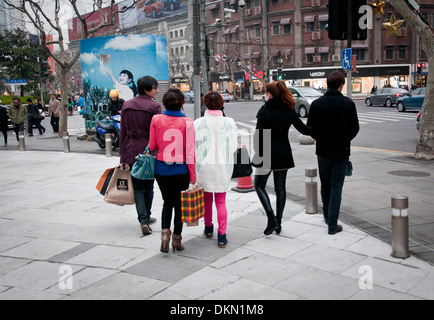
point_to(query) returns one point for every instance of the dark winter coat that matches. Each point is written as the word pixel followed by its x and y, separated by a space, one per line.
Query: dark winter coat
pixel 334 120
pixel 276 116
pixel 136 116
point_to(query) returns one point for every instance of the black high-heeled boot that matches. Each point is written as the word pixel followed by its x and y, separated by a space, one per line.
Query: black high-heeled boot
pixel 271 224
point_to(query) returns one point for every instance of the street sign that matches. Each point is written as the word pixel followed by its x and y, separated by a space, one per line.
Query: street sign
pixel 224 57
pixel 346 59
pixel 217 57
pixel 17 81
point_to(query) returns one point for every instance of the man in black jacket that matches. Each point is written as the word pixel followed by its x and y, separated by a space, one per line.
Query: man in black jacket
pixel 335 123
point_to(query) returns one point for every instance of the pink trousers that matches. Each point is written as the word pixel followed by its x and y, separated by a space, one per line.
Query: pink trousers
pixel 222 213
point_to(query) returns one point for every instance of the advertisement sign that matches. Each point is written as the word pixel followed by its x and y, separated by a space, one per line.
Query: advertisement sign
pixel 117 63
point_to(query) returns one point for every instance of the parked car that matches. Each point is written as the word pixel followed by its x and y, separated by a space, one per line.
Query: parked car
pixel 418 120
pixel 413 100
pixel 304 97
pixel 153 8
pixel 385 97
pixel 171 4
pixel 226 96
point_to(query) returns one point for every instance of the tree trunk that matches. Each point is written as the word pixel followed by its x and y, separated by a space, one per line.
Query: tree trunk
pixel 63 121
pixel 425 144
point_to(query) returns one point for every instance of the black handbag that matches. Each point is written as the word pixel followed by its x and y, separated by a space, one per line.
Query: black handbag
pixel 242 164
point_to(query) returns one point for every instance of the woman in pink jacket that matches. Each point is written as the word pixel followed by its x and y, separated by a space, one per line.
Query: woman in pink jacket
pixel 172 135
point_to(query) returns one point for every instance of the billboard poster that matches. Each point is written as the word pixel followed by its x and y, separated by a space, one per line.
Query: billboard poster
pixel 117 62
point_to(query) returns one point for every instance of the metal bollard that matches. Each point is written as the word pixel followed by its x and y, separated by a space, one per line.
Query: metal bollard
pixel 21 141
pixel 400 246
pixel 108 145
pixel 66 145
pixel 311 191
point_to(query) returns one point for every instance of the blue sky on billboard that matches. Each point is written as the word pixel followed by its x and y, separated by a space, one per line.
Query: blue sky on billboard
pixel 103 59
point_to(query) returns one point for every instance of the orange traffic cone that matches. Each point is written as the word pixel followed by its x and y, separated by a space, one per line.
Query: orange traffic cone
pixel 244 185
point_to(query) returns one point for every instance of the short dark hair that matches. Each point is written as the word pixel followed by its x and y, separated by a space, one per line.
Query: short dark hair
pixel 335 79
pixel 213 100
pixel 16 98
pixel 29 100
pixel 146 83
pixel 173 99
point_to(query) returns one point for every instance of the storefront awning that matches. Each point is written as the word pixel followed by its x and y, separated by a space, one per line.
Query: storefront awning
pixel 286 52
pixel 323 17
pixel 275 53
pixel 214 6
pixel 359 46
pixel 256 55
pixel 323 50
pixel 235 30
pixel 310 50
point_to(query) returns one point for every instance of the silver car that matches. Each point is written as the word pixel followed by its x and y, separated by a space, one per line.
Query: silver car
pixel 385 97
pixel 304 97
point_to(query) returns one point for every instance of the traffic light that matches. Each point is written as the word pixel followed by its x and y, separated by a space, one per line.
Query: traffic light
pixel 338 20
pixel 419 67
pixel 44 68
pixel 279 73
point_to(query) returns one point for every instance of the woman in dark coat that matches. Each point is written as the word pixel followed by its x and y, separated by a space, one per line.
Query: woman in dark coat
pixel 273 150
pixel 4 124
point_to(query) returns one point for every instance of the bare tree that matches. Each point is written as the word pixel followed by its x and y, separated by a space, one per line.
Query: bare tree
pixel 425 144
pixel 40 16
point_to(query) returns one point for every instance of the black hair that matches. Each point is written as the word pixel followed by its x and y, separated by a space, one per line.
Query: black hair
pixel 335 79
pixel 173 99
pixel 29 100
pixel 146 83
pixel 133 85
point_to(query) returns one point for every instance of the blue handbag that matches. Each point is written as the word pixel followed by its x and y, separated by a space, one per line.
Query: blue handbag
pixel 144 167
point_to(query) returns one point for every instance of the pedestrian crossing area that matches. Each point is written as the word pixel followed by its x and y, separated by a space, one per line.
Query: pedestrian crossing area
pixel 246 128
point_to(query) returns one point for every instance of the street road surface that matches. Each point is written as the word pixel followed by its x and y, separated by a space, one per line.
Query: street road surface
pixel 380 127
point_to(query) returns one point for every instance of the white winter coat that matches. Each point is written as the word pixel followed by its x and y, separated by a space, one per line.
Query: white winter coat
pixel 216 142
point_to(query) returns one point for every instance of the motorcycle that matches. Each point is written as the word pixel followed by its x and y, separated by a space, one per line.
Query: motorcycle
pixel 112 126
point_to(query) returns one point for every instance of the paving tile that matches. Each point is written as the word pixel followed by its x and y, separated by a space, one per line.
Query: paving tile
pixel 105 256
pixel 249 290
pixel 120 286
pixel 202 282
pixel 424 288
pixel 8 242
pixel 28 294
pixel 276 246
pixel 161 267
pixel 40 249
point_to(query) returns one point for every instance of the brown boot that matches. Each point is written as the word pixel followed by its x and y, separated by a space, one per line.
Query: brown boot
pixel 176 242
pixel 165 239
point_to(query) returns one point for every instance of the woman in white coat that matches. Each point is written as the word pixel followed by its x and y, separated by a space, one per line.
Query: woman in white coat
pixel 216 142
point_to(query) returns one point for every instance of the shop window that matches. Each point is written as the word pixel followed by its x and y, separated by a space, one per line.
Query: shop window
pixel 257 3
pixel 359 53
pixel 181 33
pixel 389 53
pixel 323 25
pixel 274 1
pixel 249 33
pixel 276 30
pixel 309 58
pixel 402 52
pixel 215 13
pixel 176 33
pixel 286 1
pixel 310 26
pixel 287 28
pixel 248 4
pixel 182 51
pixel 171 34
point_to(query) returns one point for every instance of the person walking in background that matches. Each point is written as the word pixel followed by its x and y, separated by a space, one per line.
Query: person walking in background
pixel 54 112
pixel 33 117
pixel 18 114
pixel 274 120
pixel 115 104
pixel 216 142
pixel 334 120
pixel 80 103
pixel 4 124
pixel 172 134
pixel 137 114
pixel 41 110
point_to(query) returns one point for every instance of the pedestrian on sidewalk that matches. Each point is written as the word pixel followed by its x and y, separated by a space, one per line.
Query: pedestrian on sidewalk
pixel 172 134
pixel 41 110
pixel 274 120
pixel 334 120
pixel 18 114
pixel 136 119
pixel 54 112
pixel 4 124
pixel 33 118
pixel 216 142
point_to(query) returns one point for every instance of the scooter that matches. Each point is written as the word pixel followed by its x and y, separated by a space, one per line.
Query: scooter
pixel 112 126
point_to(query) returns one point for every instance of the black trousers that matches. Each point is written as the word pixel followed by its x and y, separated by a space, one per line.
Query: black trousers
pixel 143 196
pixel 279 177
pixel 17 128
pixel 54 123
pixel 171 187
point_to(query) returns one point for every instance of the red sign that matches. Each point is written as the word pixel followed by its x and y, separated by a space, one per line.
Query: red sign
pixel 75 28
pixel 353 61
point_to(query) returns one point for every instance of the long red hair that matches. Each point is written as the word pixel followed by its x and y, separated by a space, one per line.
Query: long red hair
pixel 279 89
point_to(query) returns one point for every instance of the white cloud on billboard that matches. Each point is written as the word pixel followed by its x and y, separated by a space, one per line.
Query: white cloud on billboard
pixel 88 58
pixel 131 42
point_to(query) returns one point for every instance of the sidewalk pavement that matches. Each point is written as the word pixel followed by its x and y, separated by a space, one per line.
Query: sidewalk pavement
pixel 54 224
